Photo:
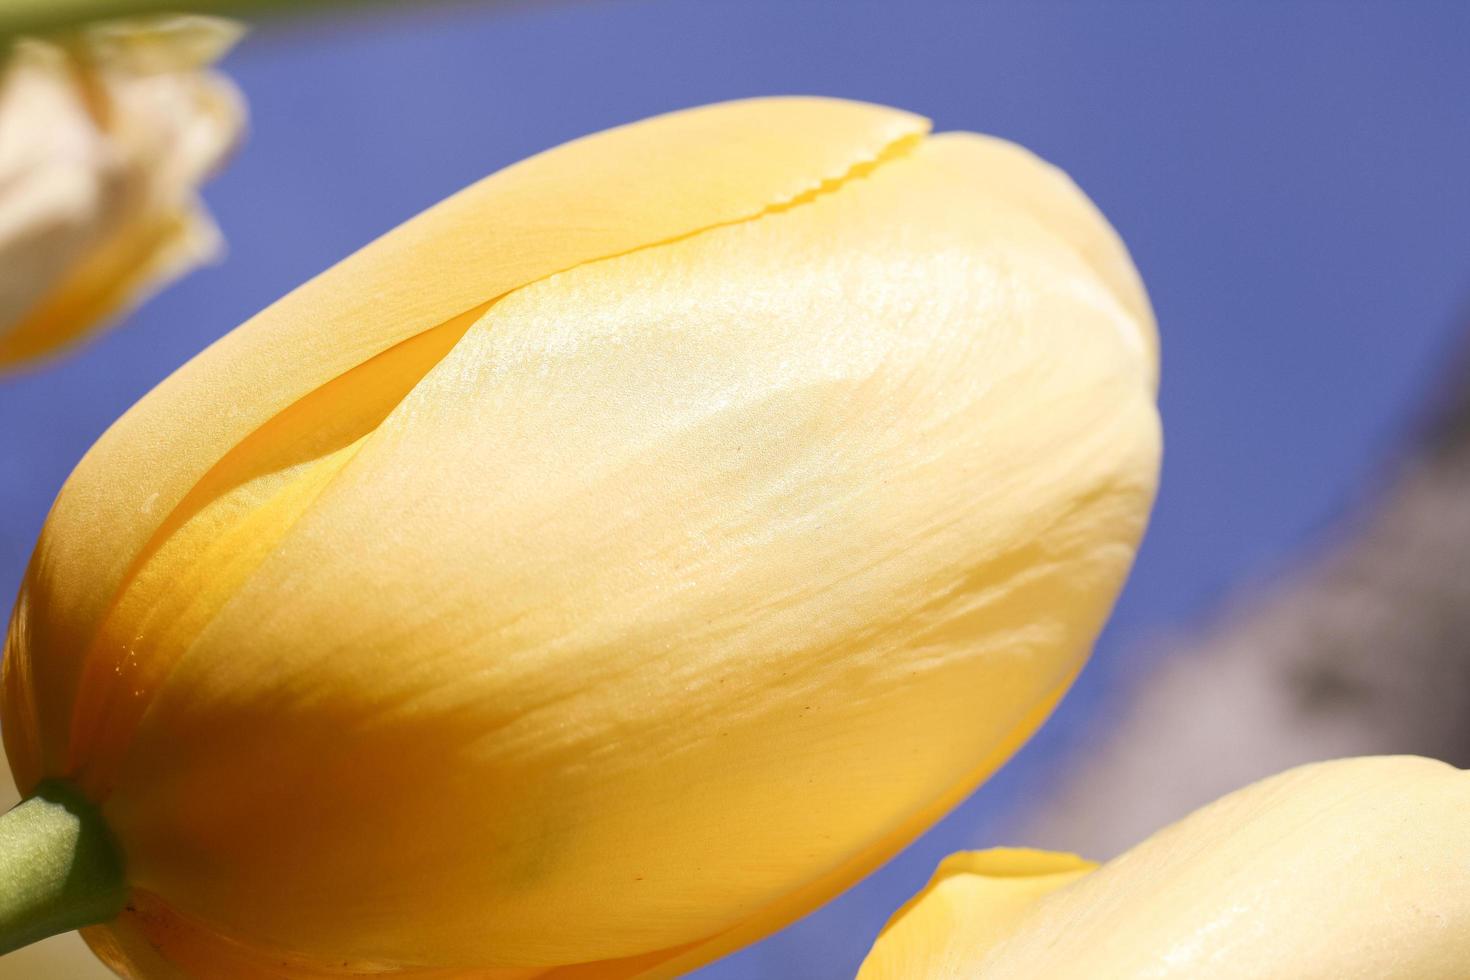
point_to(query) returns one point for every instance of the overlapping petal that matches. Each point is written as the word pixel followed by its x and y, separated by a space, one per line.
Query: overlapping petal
pixel 366 330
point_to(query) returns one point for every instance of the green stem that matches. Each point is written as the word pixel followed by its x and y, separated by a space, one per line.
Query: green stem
pixel 60 868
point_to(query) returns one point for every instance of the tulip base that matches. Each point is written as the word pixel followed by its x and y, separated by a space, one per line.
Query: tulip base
pixel 60 868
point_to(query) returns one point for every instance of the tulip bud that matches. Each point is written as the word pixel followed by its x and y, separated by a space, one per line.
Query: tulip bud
pixel 1357 869
pixel 605 567
pixel 104 138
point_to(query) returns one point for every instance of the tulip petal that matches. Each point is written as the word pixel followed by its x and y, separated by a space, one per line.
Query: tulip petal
pixel 654 181
pixel 974 901
pixel 1054 200
pixel 1357 869
pixel 741 507
pixel 151 941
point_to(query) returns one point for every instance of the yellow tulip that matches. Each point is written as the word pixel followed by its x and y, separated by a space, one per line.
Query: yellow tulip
pixel 603 568
pixel 105 136
pixel 1351 870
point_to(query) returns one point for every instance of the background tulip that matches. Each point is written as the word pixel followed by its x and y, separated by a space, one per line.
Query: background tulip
pixel 603 568
pixel 105 135
pixel 1351 870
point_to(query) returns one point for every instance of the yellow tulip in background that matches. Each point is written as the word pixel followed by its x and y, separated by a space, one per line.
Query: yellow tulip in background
pixel 105 135
pixel 1351 870
pixel 598 571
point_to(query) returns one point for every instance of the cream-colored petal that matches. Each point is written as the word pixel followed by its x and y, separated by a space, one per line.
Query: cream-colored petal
pixel 1351 870
pixel 974 900
pixel 618 191
pixel 687 581
pixel 51 204
pixel 1054 200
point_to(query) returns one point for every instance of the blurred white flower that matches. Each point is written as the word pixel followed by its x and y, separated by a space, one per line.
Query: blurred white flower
pixel 105 135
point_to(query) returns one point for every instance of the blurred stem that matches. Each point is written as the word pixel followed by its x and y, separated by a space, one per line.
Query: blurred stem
pixel 59 867
pixel 42 16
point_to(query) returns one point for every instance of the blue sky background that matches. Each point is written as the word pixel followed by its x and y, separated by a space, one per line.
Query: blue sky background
pixel 1292 177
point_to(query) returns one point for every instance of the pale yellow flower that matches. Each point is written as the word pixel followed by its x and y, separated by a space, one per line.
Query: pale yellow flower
pixel 1351 870
pixel 105 135
pixel 607 566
